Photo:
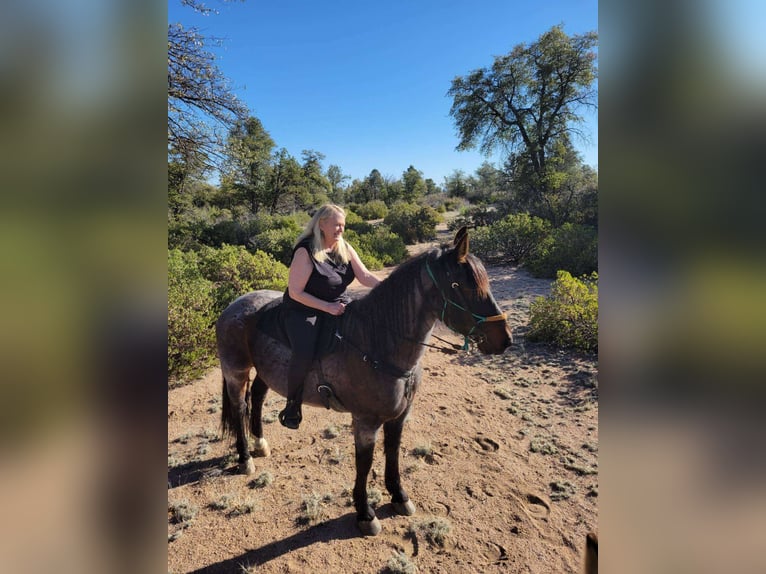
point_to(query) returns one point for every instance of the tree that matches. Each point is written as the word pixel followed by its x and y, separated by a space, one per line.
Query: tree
pixel 564 193
pixel 336 177
pixel 457 184
pixel 317 186
pixel 197 91
pixel 373 187
pixel 431 187
pixel 247 166
pixel 528 102
pixel 488 183
pixel 184 166
pixel 286 183
pixel 414 186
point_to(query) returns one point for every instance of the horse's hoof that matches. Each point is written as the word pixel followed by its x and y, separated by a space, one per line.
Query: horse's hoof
pixel 369 527
pixel 261 448
pixel 404 508
pixel 247 467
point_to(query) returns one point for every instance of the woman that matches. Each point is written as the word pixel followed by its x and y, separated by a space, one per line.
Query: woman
pixel 322 266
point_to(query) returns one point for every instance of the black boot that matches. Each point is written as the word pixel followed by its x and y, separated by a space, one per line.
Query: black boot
pixel 291 416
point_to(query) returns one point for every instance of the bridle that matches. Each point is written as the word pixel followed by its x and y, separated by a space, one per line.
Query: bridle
pixel 477 319
pixel 400 373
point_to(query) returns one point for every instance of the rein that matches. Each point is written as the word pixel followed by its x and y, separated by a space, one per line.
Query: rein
pixel 477 319
pixel 382 366
pixel 400 373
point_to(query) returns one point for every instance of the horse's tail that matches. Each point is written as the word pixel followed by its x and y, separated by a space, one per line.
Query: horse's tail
pixel 228 422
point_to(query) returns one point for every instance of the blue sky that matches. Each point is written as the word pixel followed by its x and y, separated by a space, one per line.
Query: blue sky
pixel 365 83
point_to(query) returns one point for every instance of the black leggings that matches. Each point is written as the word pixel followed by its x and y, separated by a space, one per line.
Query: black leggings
pixel 303 332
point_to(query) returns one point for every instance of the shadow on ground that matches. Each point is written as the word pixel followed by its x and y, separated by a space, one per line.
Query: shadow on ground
pixel 341 528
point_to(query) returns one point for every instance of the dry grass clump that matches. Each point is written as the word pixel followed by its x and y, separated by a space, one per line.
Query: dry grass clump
pixel 182 512
pixel 235 505
pixel 434 529
pixel 400 563
pixel 262 480
pixel 312 508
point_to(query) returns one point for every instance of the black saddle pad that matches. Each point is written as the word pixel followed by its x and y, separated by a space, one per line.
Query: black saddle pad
pixel 271 322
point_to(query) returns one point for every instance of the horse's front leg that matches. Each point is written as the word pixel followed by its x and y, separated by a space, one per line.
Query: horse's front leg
pixel 365 433
pixel 392 432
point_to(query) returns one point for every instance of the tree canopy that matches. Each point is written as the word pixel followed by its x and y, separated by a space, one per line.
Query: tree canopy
pixel 529 104
pixel 197 91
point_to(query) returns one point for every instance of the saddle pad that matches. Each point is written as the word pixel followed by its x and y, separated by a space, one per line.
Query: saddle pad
pixel 271 322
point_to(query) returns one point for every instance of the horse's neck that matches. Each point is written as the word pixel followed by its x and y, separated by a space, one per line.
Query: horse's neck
pixel 399 319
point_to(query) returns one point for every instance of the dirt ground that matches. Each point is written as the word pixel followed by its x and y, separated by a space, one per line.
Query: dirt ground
pixel 499 456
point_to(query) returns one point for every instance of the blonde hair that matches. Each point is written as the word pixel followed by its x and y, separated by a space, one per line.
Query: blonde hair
pixel 312 230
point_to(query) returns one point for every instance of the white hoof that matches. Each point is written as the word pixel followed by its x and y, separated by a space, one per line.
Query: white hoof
pixel 247 467
pixel 261 448
pixel 404 508
pixel 369 527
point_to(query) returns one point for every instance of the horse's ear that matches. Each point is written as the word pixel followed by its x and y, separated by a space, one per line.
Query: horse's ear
pixel 461 243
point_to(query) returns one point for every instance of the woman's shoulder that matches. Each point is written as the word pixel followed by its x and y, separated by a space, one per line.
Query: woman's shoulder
pixel 305 246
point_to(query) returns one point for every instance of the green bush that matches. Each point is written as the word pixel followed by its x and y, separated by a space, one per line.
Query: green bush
pixel 368 255
pixel 569 316
pixel 516 238
pixel 572 247
pixel 386 245
pixel 355 222
pixel 412 222
pixel 278 243
pixel 475 216
pixel 375 209
pixel 234 271
pixel 191 313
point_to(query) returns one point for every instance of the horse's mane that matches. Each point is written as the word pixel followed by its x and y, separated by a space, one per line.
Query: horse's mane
pixel 389 310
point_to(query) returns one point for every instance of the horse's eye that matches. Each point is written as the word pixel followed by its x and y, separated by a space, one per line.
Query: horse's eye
pixel 455 285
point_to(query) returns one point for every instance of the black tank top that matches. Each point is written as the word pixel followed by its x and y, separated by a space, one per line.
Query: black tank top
pixel 328 279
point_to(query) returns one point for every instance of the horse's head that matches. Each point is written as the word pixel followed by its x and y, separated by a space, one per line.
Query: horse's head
pixel 467 305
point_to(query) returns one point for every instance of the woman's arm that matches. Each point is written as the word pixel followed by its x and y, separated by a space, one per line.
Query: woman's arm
pixel 360 271
pixel 300 271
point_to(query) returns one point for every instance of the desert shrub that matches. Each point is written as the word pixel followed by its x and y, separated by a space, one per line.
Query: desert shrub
pixel 412 222
pixel 386 246
pixel 234 271
pixel 191 311
pixel 228 231
pixel 185 234
pixel 368 254
pixel 354 221
pixel 375 209
pixel 276 235
pixel 572 247
pixel 516 238
pixel 569 316
pixel 276 242
pixel 475 216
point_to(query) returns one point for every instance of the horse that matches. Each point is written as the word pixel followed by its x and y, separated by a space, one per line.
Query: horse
pixel 375 369
pixel 590 564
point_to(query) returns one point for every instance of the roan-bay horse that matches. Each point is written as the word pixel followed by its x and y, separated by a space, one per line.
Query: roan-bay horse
pixel 374 371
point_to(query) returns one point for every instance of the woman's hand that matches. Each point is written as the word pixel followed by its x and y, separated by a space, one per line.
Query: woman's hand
pixel 336 308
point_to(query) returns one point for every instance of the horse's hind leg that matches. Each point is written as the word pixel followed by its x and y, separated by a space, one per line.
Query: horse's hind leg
pixel 234 413
pixel 364 446
pixel 392 441
pixel 257 396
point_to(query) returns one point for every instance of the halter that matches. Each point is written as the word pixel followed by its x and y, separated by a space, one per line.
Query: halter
pixel 477 319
